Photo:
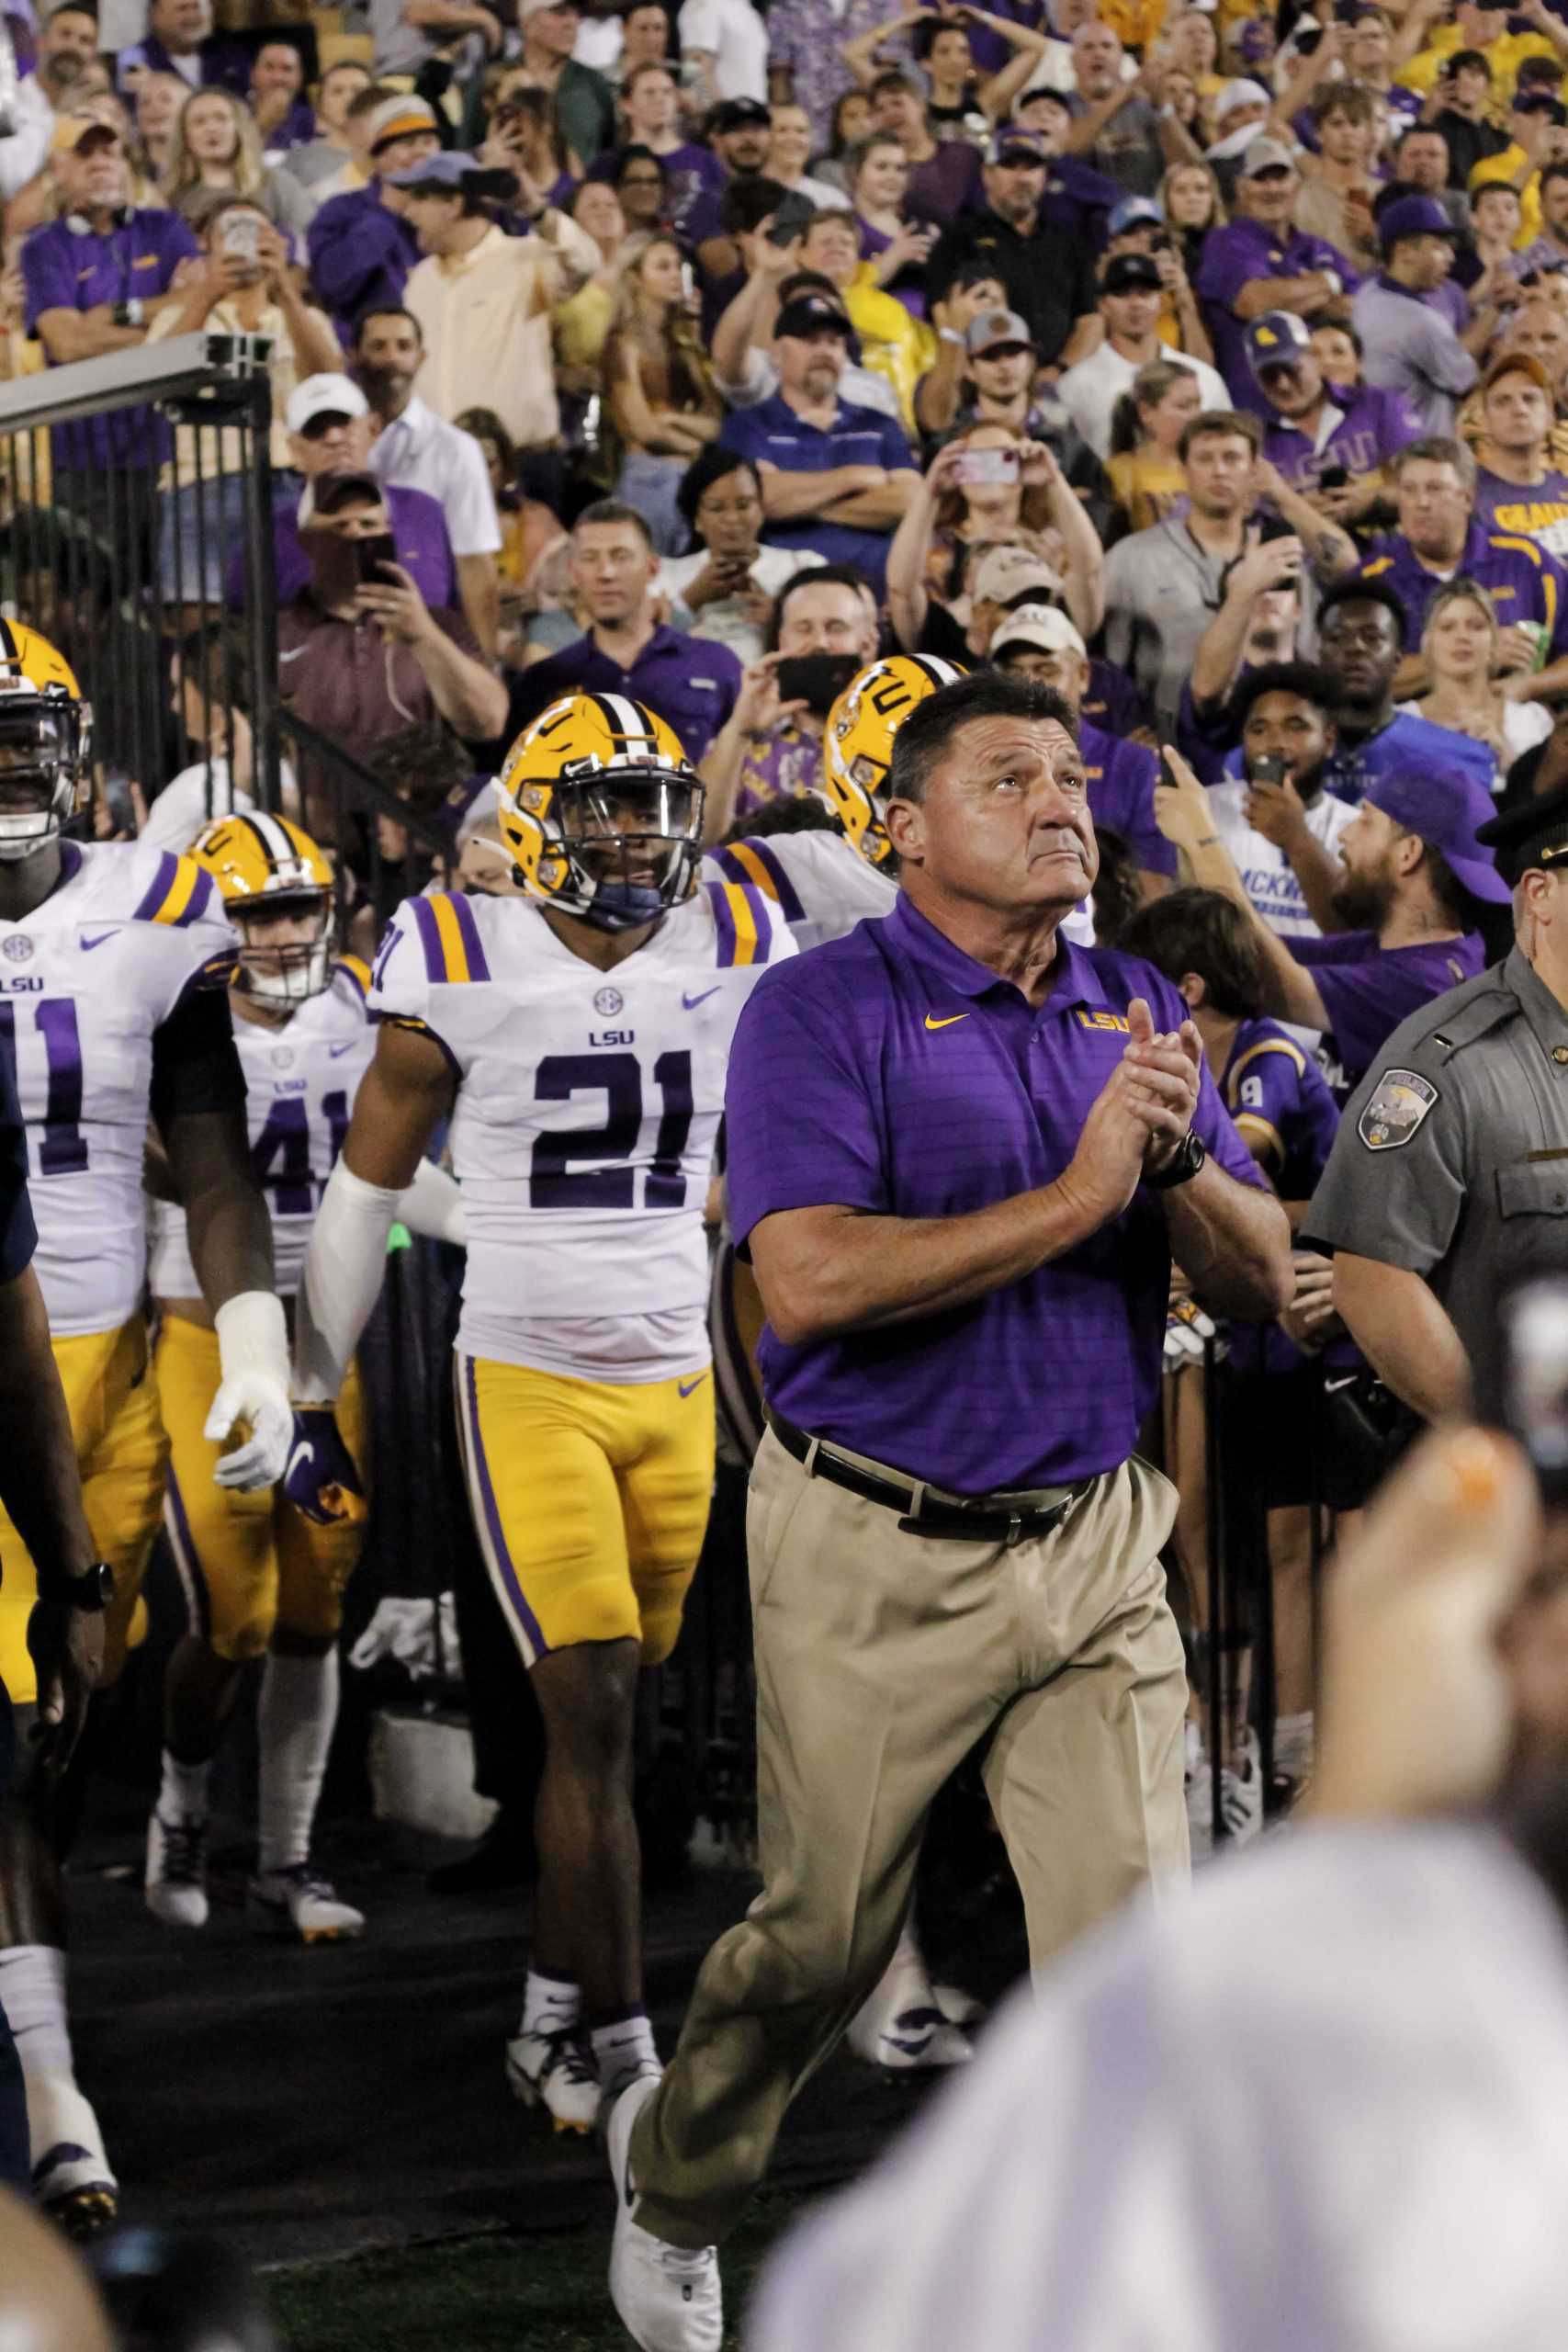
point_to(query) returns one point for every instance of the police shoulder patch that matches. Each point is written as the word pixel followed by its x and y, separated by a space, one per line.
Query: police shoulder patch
pixel 1399 1102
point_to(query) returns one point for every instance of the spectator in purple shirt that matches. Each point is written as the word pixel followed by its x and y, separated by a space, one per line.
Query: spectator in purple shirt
pixel 650 106
pixel 1401 915
pixel 961 1153
pixel 284 116
pixel 1260 261
pixel 180 40
pixel 361 245
pixel 1315 428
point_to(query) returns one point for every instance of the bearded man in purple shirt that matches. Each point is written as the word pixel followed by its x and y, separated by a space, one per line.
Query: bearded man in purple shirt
pixel 1405 899
pixel 962 1152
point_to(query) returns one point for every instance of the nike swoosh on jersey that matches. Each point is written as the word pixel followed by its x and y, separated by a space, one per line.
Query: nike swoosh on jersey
pixel 691 1003
pixel 947 1021
pixel 690 1387
pixel 97 940
pixel 334 1051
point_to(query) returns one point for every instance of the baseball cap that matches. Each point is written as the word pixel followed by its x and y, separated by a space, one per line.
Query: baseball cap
pixel 1275 340
pixel 1043 627
pixel 1251 39
pixel 538 7
pixel 400 118
pixel 1131 274
pixel 323 396
pixel 1543 101
pixel 1265 155
pixel 1535 834
pixel 453 172
pixel 1014 139
pixel 1447 812
pixel 1414 216
pixel 1517 363
pixel 73 131
pixel 994 329
pixel 1004 572
pixel 736 113
pixel 811 314
pixel 1240 93
pixel 335 490
pixel 1132 213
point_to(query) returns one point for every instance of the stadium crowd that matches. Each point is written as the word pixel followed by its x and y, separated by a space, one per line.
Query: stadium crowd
pixel 702 395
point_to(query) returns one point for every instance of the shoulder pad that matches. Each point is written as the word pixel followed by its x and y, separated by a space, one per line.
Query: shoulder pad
pixel 179 893
pixel 743 922
pixel 756 862
pixel 444 924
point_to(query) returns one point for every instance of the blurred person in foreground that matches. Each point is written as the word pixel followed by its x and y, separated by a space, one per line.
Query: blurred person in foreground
pixel 1340 2121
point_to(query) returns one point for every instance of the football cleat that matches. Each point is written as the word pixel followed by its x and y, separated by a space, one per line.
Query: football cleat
pixel 556 2071
pixel 71 2180
pixel 302 1896
pixel 669 2300
pixel 902 2028
pixel 175 1887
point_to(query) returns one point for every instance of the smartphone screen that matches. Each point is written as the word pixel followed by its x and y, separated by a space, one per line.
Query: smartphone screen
pixel 371 555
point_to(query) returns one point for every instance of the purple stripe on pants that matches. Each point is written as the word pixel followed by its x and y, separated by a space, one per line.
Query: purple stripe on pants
pixel 529 1622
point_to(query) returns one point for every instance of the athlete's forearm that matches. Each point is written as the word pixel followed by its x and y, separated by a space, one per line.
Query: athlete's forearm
pixel 40 1486
pixel 226 1217
pixel 341 1283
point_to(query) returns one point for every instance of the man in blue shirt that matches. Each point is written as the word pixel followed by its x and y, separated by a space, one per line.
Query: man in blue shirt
pixel 690 682
pixel 1314 427
pixel 1260 261
pixel 835 478
pixel 962 1152
pixel 1439 538
pixel 362 247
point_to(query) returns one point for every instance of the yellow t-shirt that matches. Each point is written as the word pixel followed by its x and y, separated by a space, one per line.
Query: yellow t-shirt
pixel 1147 485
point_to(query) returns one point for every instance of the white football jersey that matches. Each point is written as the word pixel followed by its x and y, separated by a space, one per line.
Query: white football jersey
pixel 587 1108
pixel 823 887
pixel 85 980
pixel 301 1081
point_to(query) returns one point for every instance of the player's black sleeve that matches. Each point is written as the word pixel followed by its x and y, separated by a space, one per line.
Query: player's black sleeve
pixel 196 1063
pixel 18 1234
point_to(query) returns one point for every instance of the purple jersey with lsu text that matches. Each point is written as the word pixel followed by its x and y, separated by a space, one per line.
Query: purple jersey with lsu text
pixel 1368 990
pixel 889 1072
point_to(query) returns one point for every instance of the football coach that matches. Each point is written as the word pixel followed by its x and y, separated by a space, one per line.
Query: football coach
pixel 962 1152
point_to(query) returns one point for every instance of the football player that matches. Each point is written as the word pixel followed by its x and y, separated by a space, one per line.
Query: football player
pixel 261 1579
pixel 579 1038
pixel 113 963
pixel 824 882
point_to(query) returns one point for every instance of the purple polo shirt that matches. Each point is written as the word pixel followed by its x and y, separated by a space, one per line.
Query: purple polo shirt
pixel 297 129
pixel 1373 425
pixel 1122 779
pixel 1233 258
pixel 772 433
pixel 1368 990
pixel 888 1073
pixel 1524 581
pixel 689 682
pixel 73 269
pixel 361 255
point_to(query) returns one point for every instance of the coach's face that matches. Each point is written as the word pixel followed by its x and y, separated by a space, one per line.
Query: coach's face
pixel 1004 820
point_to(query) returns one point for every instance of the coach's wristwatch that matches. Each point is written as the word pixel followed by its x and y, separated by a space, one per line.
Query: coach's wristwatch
pixel 1181 1167
pixel 94 1589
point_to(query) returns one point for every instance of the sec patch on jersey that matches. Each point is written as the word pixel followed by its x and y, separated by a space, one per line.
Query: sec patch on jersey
pixel 1399 1102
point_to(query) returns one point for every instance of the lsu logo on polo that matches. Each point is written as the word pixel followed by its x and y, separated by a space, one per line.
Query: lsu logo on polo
pixel 1400 1100
pixel 1103 1021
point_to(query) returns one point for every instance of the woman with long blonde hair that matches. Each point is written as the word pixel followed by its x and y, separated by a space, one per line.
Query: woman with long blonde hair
pixel 660 402
pixel 1459 645
pixel 216 152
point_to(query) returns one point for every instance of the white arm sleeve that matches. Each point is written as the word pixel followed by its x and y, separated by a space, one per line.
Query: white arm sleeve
pixel 432 1204
pixel 344 1267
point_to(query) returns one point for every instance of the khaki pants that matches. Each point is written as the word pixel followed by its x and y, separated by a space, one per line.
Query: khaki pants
pixel 882 1656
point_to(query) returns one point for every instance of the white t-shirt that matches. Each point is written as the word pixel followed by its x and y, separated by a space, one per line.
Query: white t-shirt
pixel 725 618
pixel 1265 870
pixel 734 35
pixel 1525 724
pixel 1090 391
pixel 419 450
pixel 198 793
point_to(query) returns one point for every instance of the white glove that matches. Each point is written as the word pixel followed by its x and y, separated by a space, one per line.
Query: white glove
pixel 253 1350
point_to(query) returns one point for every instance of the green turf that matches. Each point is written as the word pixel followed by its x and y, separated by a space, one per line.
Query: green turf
pixel 529 2295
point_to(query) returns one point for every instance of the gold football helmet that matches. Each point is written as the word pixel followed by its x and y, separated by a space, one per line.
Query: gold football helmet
pixel 267 868
pixel 857 743
pixel 46 740
pixel 603 811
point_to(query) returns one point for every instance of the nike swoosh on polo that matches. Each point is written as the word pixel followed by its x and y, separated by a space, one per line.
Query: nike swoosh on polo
pixel 947 1021
pixel 690 1387
pixel 97 940
pixel 691 1003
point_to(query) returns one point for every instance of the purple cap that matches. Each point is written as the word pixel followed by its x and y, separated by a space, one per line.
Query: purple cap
pixel 1277 340
pixel 1414 216
pixel 1446 810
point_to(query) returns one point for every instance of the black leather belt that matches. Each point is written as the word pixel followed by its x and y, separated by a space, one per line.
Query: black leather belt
pixel 923 1513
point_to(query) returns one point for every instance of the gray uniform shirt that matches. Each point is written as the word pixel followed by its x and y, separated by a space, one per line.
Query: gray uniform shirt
pixel 1452 1160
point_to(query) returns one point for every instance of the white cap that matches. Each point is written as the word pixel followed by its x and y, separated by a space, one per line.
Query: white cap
pixel 1240 93
pixel 1042 627
pixel 323 396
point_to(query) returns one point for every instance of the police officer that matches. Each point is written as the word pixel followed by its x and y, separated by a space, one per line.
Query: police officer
pixel 1448 1179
